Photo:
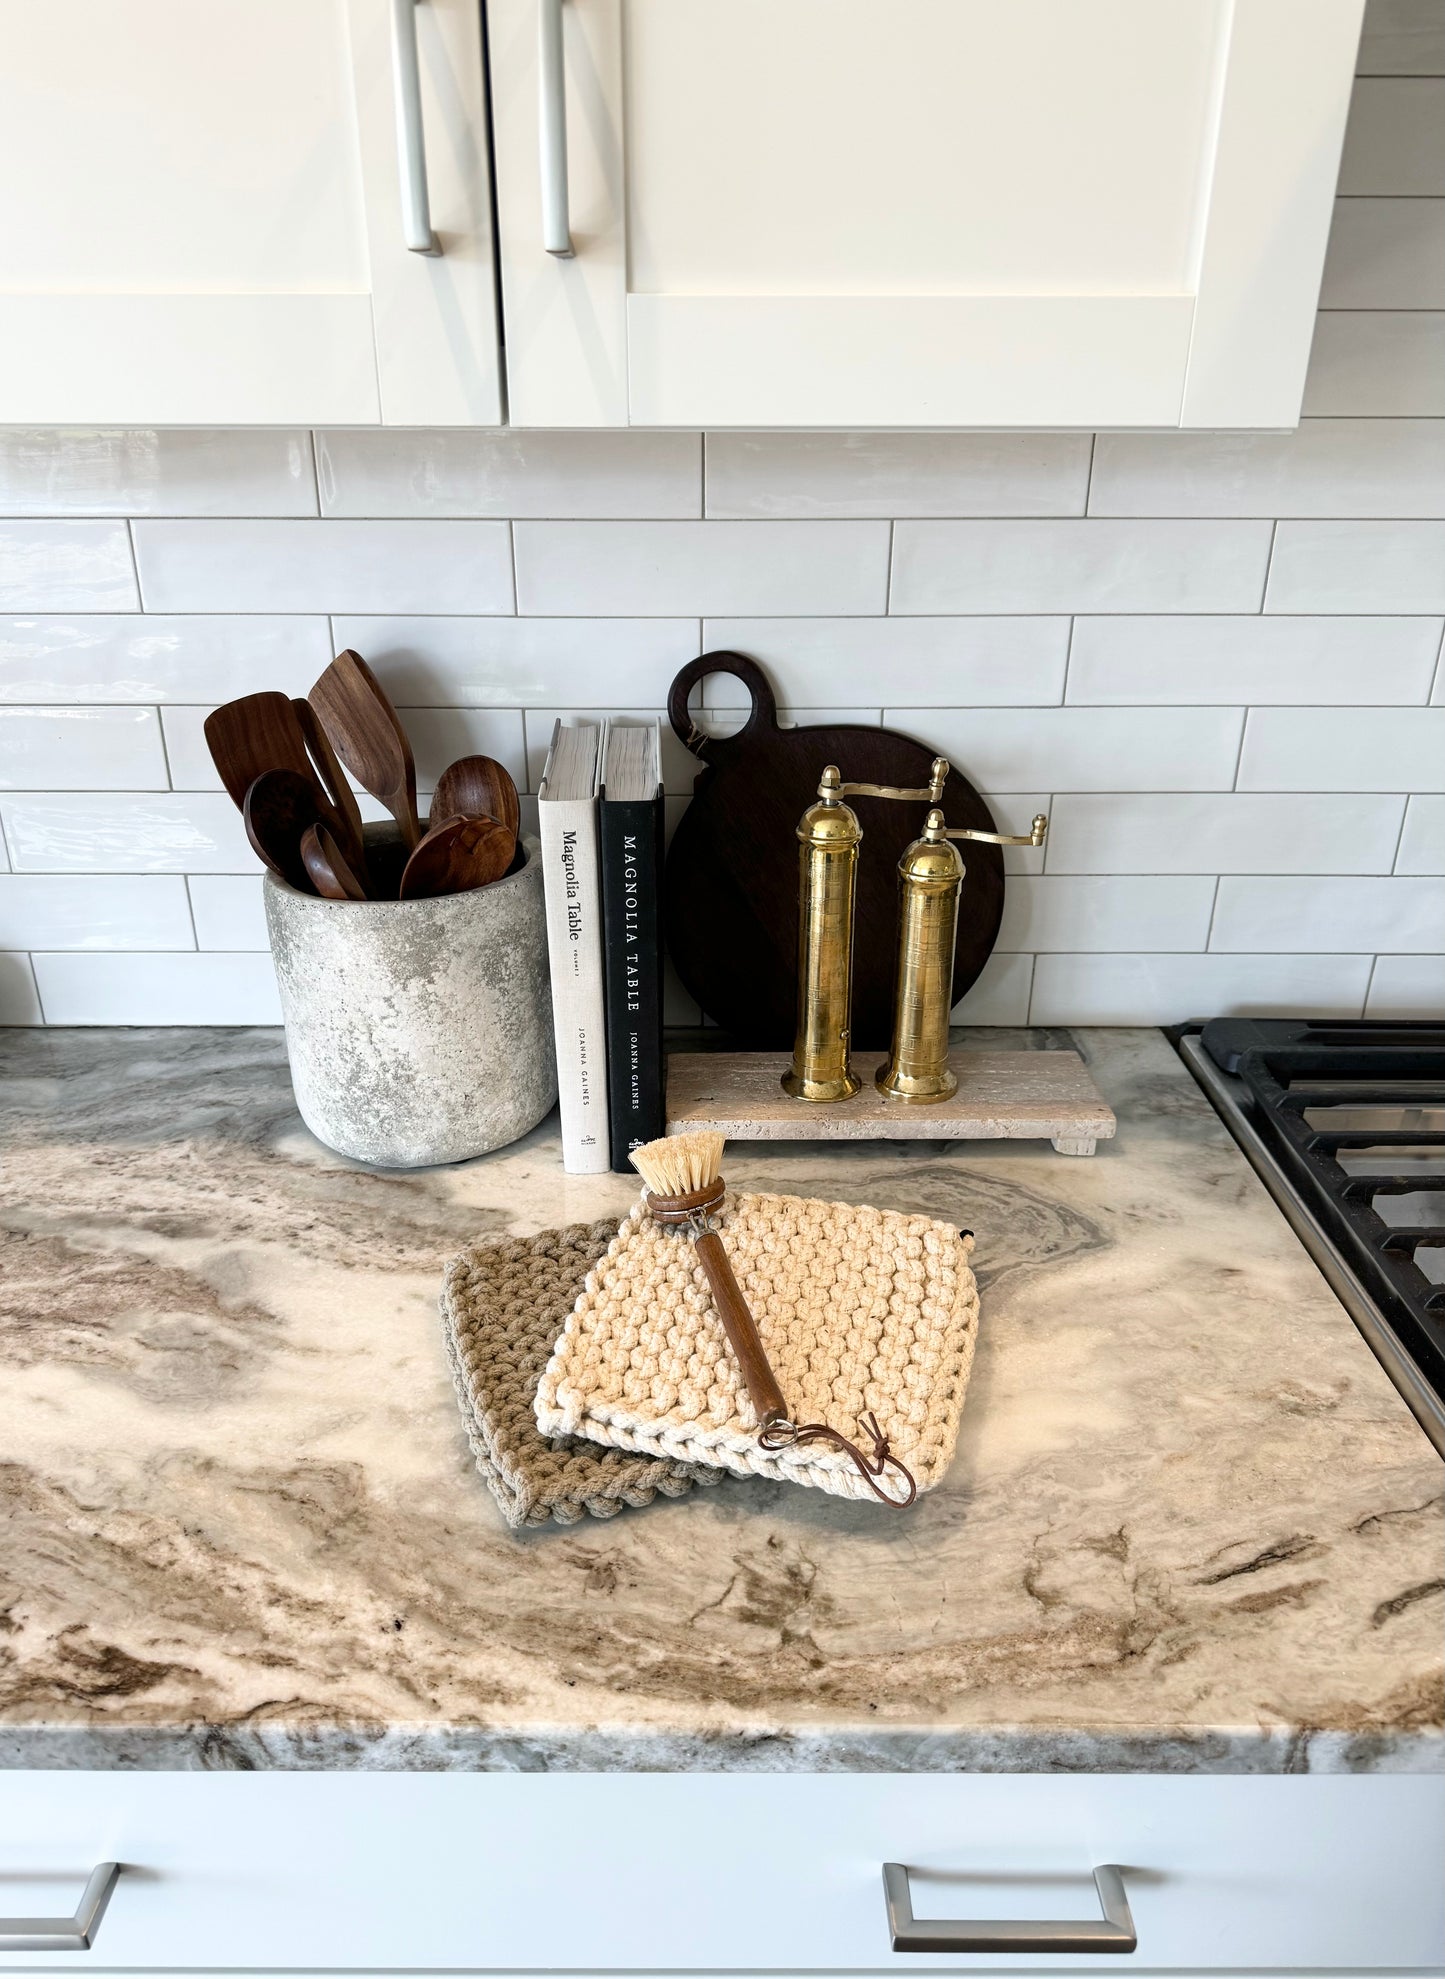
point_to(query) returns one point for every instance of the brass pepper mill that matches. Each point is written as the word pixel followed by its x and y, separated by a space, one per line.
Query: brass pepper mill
pixel 829 836
pixel 930 884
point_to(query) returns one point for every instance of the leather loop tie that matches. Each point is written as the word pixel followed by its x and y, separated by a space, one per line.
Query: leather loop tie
pixel 787 1436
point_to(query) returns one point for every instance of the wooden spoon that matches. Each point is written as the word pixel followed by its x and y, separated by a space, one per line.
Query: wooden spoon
pixel 476 787
pixel 368 737
pixel 457 856
pixel 258 732
pixel 327 866
pixel 347 828
pixel 278 807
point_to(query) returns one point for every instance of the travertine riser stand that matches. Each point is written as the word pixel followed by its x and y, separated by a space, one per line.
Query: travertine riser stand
pixel 1002 1096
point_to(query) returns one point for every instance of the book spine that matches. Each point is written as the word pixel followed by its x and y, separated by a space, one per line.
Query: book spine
pixel 572 885
pixel 632 945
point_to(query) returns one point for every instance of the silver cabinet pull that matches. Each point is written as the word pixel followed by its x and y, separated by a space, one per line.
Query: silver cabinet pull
pixel 552 130
pixel 63 1934
pixel 1113 1932
pixel 416 227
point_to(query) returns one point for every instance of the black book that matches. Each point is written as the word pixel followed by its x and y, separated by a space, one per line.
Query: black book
pixel 630 829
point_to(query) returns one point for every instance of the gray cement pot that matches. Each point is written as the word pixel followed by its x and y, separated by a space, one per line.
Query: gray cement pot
pixel 419 1031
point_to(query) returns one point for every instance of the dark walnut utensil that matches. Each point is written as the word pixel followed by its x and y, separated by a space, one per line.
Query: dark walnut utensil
pixel 476 787
pixel 457 856
pixel 279 807
pixel 258 732
pixel 367 735
pixel 327 866
pixel 347 828
pixel 730 889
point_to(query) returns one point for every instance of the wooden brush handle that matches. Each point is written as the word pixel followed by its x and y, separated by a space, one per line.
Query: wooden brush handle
pixel 742 1332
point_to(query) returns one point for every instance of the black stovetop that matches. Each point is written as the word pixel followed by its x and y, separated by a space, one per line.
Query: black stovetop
pixel 1353 1114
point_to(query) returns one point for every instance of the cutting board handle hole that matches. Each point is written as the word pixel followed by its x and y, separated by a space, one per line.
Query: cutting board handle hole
pixel 762 713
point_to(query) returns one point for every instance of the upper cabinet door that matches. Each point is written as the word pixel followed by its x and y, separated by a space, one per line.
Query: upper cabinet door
pixel 915 212
pixel 207 207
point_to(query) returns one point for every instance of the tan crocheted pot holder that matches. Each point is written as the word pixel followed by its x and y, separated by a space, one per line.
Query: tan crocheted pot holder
pixel 858 1309
pixel 502 1307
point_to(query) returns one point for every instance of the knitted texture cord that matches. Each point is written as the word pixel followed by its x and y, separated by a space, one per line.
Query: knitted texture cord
pixel 502 1307
pixel 857 1309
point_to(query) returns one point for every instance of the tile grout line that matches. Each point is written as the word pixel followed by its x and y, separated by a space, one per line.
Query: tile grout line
pixel 1400 838
pixel 1369 985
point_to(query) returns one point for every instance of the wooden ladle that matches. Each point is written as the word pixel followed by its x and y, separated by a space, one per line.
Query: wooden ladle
pixel 476 787
pixel 367 735
pixel 457 856
pixel 327 866
pixel 279 807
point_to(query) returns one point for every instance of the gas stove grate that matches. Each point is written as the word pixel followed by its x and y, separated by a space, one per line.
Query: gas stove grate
pixel 1309 1083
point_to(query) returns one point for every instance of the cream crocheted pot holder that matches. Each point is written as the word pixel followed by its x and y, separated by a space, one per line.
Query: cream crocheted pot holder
pixel 858 1309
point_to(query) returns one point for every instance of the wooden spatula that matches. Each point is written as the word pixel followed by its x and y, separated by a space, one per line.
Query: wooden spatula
pixel 457 856
pixel 258 732
pixel 368 737
pixel 347 828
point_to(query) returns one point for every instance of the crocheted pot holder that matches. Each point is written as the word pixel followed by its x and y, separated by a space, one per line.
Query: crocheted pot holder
pixel 857 1308
pixel 502 1305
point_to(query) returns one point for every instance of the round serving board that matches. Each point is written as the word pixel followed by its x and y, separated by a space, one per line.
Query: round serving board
pixel 730 893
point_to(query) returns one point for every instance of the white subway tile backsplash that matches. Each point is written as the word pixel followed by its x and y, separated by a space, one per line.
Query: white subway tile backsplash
pixel 1403 38
pixel 440 735
pixel 1311 749
pixel 126 832
pixel 157 989
pixel 1422 843
pixel 509 472
pixel 81 748
pixel 66 567
pixel 1395 141
pixel 1407 986
pixel 271 566
pixel 149 471
pixel 972 662
pixel 1177 989
pixel 229 910
pixel 1386 254
pixel 521 662
pixel 1001 994
pixel 1079 566
pixel 19 999
pixel 1129 661
pixel 1027 749
pixel 1378 362
pixel 150 657
pixel 1406 916
pixel 1111 914
pixel 1358 567
pixel 1232 832
pixel 672 568
pixel 771 475
pixel 1329 467
pixel 68 910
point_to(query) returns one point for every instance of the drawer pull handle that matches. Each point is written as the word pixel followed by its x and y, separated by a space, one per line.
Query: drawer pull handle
pixel 1113 1932
pixel 63 1934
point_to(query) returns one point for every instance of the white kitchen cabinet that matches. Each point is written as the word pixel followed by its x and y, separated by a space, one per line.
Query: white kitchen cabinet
pixel 203 216
pixel 648 1872
pixel 920 213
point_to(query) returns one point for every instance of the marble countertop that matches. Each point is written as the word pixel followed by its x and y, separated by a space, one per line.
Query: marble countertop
pixel 1190 1525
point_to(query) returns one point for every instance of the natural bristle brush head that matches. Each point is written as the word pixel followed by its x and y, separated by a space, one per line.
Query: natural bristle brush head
pixel 681 1164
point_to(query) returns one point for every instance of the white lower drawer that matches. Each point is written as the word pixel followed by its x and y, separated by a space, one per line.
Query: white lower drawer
pixel 753 1872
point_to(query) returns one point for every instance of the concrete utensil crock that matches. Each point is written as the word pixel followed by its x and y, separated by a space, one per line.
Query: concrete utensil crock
pixel 419 1031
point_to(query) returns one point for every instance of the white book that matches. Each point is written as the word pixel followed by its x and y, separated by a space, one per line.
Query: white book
pixel 567 814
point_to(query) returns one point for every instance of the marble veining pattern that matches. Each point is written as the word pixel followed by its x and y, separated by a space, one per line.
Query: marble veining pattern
pixel 1190 1525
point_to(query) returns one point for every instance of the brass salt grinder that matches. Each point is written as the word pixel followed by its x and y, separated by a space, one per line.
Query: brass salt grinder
pixel 930 884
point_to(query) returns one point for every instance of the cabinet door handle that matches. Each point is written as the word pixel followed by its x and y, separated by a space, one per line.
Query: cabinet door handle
pixel 63 1934
pixel 552 130
pixel 416 227
pixel 1113 1932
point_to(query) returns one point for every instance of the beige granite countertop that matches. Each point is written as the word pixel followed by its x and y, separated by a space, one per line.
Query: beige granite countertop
pixel 1190 1525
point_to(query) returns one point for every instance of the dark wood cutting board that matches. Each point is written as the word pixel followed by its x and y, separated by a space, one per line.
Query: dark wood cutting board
pixel 730 892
